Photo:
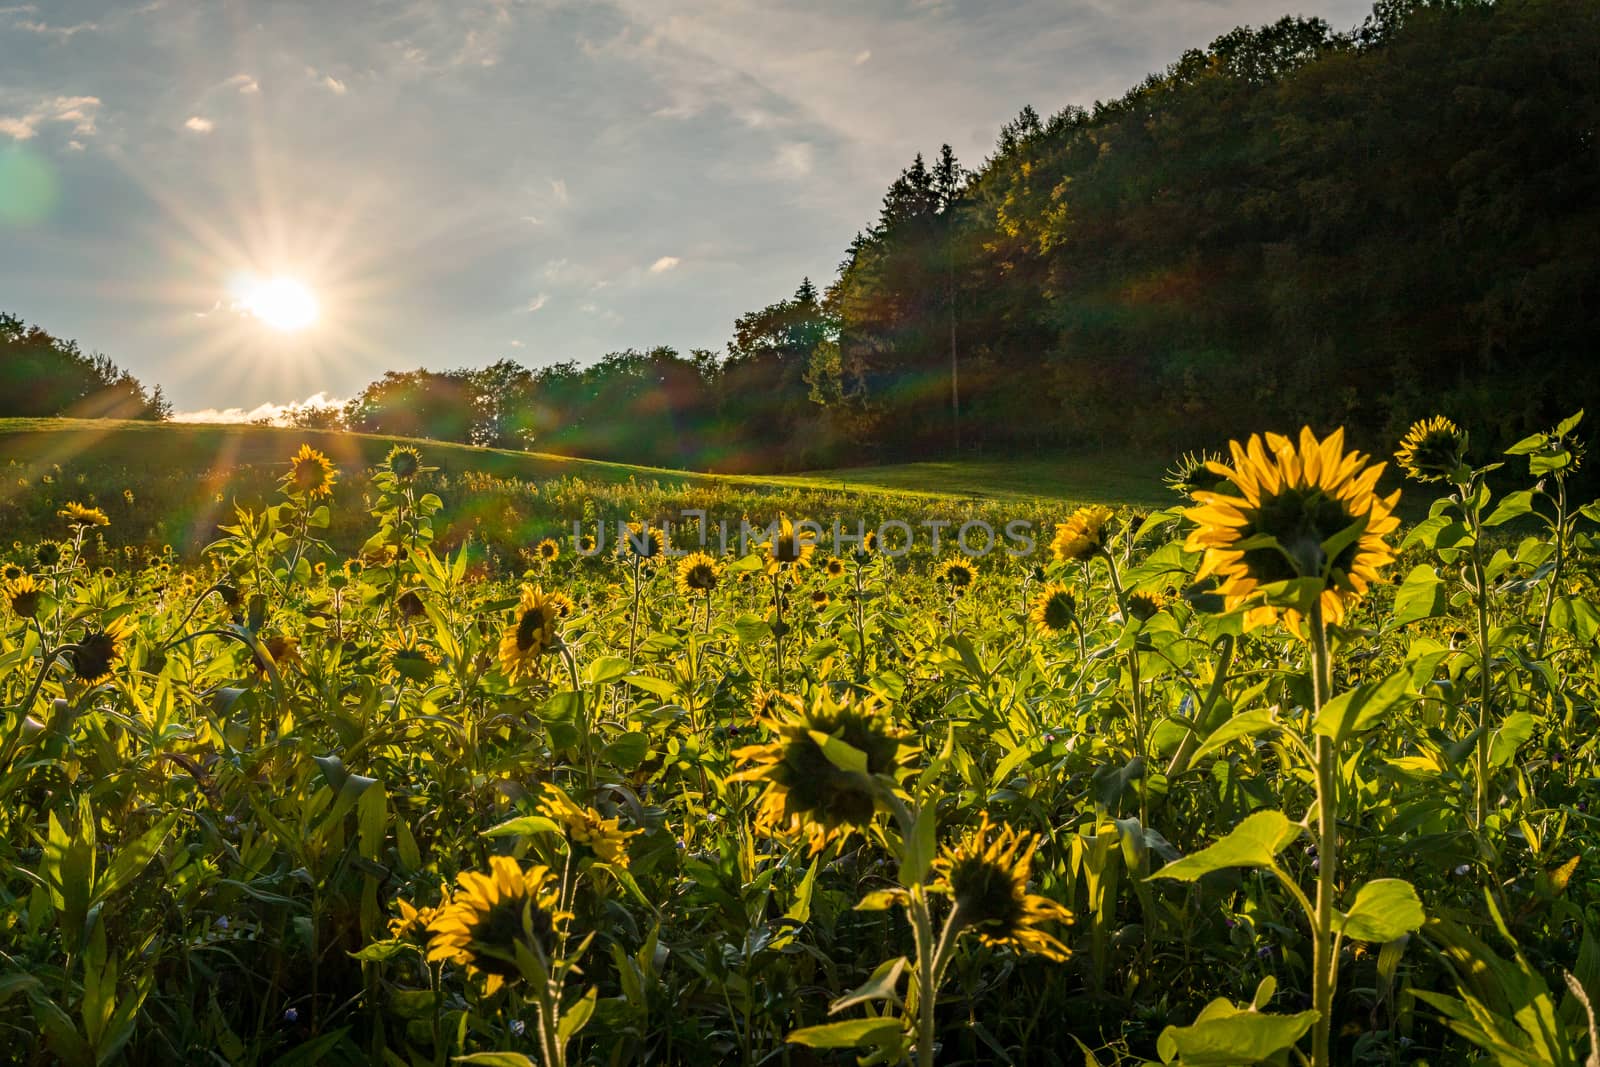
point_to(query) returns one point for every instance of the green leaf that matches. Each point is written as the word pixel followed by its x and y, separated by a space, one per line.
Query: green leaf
pixel 1420 596
pixel 628 750
pixel 523 826
pixel 656 687
pixel 1255 842
pixel 133 858
pixel 496 1059
pixel 577 1016
pixel 1247 724
pixel 883 985
pixel 1511 506
pixel 921 846
pixel 607 669
pixel 1226 1036
pixel 1384 909
pixel 1514 732
pixel 1355 709
pixel 851 1034
pixel 841 754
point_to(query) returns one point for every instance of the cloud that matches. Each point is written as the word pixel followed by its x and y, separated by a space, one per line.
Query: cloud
pixel 334 85
pixel 78 111
pixel 244 83
pixel 863 55
pixel 794 160
pixel 199 124
pixel 558 189
pixel 277 414
pixel 46 30
pixel 537 302
pixel 664 264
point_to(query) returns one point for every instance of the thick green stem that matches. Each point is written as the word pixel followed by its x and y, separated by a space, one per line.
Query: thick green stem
pixel 1324 964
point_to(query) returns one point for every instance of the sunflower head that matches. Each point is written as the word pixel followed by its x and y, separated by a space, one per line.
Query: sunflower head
pixel 1055 609
pixel 12 572
pixel 986 875
pixel 488 914
pixel 698 573
pixel 80 517
pixel 100 650
pixel 410 605
pixel 1433 450
pixel 869 545
pixel 536 632
pixel 548 550
pixel 1144 606
pixel 958 573
pixel 643 541
pixel 592 836
pixel 408 657
pixel 807 791
pixel 411 921
pixel 789 547
pixel 1193 474
pixel 23 596
pixel 311 474
pixel 283 649
pixel 834 567
pixel 47 553
pixel 1307 527
pixel 1083 534
pixel 405 462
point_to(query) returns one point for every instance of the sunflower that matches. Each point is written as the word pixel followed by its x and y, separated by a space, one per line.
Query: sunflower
pixel 562 604
pixel 698 573
pixel 1296 505
pixel 586 828
pixel 548 550
pixel 1433 450
pixel 536 633
pixel 412 920
pixel 988 881
pixel 834 567
pixel 643 541
pixel 79 517
pixel 353 568
pixel 22 596
pixel 284 650
pixel 1083 534
pixel 958 573
pixel 805 791
pixel 404 461
pixel 789 547
pixel 1145 606
pixel 47 553
pixel 1191 474
pixel 489 915
pixel 408 657
pixel 319 568
pixel 100 650
pixel 12 572
pixel 410 605
pixel 1054 609
pixel 869 544
pixel 311 473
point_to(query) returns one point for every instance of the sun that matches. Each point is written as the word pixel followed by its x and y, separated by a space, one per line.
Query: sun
pixel 283 304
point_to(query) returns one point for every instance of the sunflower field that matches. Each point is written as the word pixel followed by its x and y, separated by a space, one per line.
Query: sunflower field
pixel 1265 777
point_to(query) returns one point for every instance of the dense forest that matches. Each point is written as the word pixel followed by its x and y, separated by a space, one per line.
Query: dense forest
pixel 46 375
pixel 1291 225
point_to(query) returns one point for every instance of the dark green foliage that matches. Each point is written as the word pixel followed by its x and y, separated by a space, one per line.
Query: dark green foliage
pixel 45 375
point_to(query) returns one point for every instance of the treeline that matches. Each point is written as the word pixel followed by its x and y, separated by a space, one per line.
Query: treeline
pixel 1291 225
pixel 42 375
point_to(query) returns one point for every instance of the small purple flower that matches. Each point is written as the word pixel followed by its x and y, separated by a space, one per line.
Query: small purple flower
pixel 1316 863
pixel 518 1027
pixel 681 843
pixel 1463 870
pixel 222 922
pixel 230 820
pixel 1230 923
pixel 291 1016
pixel 1265 952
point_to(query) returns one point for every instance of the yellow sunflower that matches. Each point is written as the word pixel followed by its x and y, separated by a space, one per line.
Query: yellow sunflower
pixel 1145 606
pixel 100 650
pixel 412 920
pixel 537 632
pixel 12 572
pixel 586 828
pixel 548 550
pixel 404 461
pixel 643 540
pixel 790 547
pixel 311 473
pixel 1192 473
pixel 958 573
pixel 698 573
pixel 488 915
pixel 1309 513
pixel 1083 534
pixel 80 517
pixel 407 657
pixel 1433 450
pixel 23 595
pixel 834 567
pixel 988 881
pixel 284 650
pixel 805 791
pixel 1054 609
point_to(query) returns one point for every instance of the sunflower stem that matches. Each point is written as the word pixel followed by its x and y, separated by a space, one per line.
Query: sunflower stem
pixel 1324 963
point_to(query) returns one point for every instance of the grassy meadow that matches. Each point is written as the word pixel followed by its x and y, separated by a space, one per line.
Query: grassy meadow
pixel 336 749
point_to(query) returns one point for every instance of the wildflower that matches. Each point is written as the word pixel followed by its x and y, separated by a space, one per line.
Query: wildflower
pixel 489 914
pixel 1433 450
pixel 1055 609
pixel 311 473
pixel 790 547
pixel 100 650
pixel 408 657
pixel 808 793
pixel 834 567
pixel 586 828
pixel 1145 606
pixel 404 461
pixel 1192 474
pixel 291 1016
pixel 12 572
pixel 536 633
pixel 281 650
pixel 1309 513
pixel 412 920
pixel 23 596
pixel 819 598
pixel 1083 534
pixel 81 518
pixel 698 573
pixel 643 541
pixel 548 550
pixel 988 881
pixel 958 573
pixel 47 553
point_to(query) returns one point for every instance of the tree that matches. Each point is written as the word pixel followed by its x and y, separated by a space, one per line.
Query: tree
pixel 45 375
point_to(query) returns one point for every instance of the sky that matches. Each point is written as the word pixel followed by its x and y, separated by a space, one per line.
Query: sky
pixel 450 183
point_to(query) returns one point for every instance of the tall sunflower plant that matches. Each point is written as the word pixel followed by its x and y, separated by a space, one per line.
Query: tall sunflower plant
pixel 1295 534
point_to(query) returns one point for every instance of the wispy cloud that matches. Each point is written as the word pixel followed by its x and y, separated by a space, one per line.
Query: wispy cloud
pixel 199 124
pixel 44 29
pixel 558 189
pixel 537 302
pixel 664 264
pixel 276 414
pixel 244 83
pixel 334 85
pixel 76 111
